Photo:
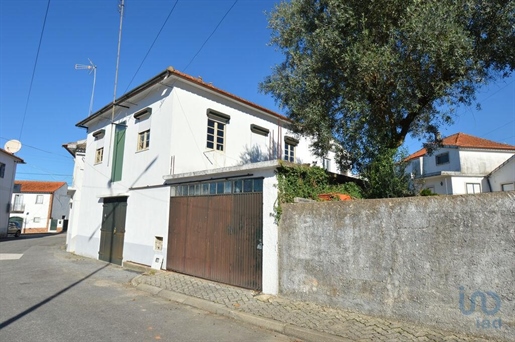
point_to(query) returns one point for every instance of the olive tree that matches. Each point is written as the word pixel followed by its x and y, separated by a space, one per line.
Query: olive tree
pixel 363 74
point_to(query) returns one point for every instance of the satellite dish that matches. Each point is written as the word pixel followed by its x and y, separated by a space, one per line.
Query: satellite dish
pixel 12 146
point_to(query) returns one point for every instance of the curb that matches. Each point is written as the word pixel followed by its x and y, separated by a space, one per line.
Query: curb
pixel 219 309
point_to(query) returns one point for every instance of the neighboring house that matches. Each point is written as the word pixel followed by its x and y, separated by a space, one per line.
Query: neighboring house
pixel 185 170
pixel 40 207
pixel 463 165
pixel 502 178
pixel 78 151
pixel 8 163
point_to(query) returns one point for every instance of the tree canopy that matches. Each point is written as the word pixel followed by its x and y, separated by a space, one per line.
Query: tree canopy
pixel 365 73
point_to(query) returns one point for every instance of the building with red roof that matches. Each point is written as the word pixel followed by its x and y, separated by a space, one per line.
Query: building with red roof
pixel 40 206
pixel 464 164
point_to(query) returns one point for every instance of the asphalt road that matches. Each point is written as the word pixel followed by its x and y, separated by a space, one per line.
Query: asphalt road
pixel 50 295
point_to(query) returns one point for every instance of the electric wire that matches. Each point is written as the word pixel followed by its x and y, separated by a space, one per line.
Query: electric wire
pixel 212 33
pixel 34 71
pixel 152 45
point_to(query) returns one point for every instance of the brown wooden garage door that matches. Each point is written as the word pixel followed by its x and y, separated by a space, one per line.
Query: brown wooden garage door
pixel 218 237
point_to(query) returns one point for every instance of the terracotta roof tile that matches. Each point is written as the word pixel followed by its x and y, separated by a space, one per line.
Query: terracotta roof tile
pixel 37 186
pixel 468 141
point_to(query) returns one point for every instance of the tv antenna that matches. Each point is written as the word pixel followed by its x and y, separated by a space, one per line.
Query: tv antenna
pixel 92 69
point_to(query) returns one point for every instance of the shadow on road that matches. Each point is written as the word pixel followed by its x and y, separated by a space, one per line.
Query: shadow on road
pixel 34 307
pixel 30 236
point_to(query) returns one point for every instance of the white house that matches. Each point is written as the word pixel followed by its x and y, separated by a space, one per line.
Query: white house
pixel 462 166
pixel 184 170
pixel 502 178
pixel 78 151
pixel 8 163
pixel 40 206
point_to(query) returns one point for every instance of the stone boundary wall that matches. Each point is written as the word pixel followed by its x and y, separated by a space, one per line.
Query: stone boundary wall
pixel 418 259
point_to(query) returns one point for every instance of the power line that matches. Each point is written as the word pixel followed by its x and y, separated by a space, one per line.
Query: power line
pixel 34 70
pixel 60 155
pixel 212 33
pixel 151 46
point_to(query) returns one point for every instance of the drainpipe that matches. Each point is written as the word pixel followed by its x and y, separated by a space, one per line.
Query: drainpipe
pixel 488 182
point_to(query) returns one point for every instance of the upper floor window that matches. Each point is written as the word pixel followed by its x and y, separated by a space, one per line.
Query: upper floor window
pixel 2 170
pixel 144 140
pixel 99 155
pixel 289 149
pixel 39 199
pixel 216 123
pixel 442 158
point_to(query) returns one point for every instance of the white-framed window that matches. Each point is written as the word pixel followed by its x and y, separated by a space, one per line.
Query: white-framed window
pixel 39 199
pixel 99 155
pixel 215 135
pixel 508 187
pixel 326 163
pixel 442 158
pixel 289 149
pixel 473 188
pixel 37 219
pixel 144 140
pixel 2 170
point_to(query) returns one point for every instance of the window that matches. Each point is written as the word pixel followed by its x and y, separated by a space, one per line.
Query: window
pixel 259 130
pixel 2 170
pixel 99 134
pixel 442 158
pixel 473 188
pixel 219 187
pixel 326 163
pixel 37 219
pixel 289 149
pixel 143 140
pixel 99 155
pixel 215 135
pixel 216 123
pixel 39 199
pixel 508 187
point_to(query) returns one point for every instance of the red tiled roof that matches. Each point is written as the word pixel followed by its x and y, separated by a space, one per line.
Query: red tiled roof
pixel 37 186
pixel 469 141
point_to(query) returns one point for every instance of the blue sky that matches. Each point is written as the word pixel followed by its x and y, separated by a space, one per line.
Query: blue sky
pixel 236 58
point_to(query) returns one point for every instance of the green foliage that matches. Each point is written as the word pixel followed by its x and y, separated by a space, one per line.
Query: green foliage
pixel 386 177
pixel 308 182
pixel 366 73
pixel 427 192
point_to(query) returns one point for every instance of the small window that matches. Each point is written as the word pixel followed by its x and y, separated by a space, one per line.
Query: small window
pixel 37 219
pixel 442 158
pixel 508 187
pixel 2 170
pixel 99 134
pixel 289 148
pixel 143 140
pixel 99 155
pixel 473 188
pixel 259 130
pixel 326 163
pixel 39 199
pixel 215 135
pixel 142 114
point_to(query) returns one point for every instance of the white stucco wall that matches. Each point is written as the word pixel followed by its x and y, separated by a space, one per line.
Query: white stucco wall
pixel 481 162
pixel 429 162
pixel 75 201
pixel 35 215
pixel 441 185
pixel 6 189
pixel 60 203
pixel 504 175
pixel 459 184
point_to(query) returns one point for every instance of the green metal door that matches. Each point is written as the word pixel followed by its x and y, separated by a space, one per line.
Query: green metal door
pixel 112 232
